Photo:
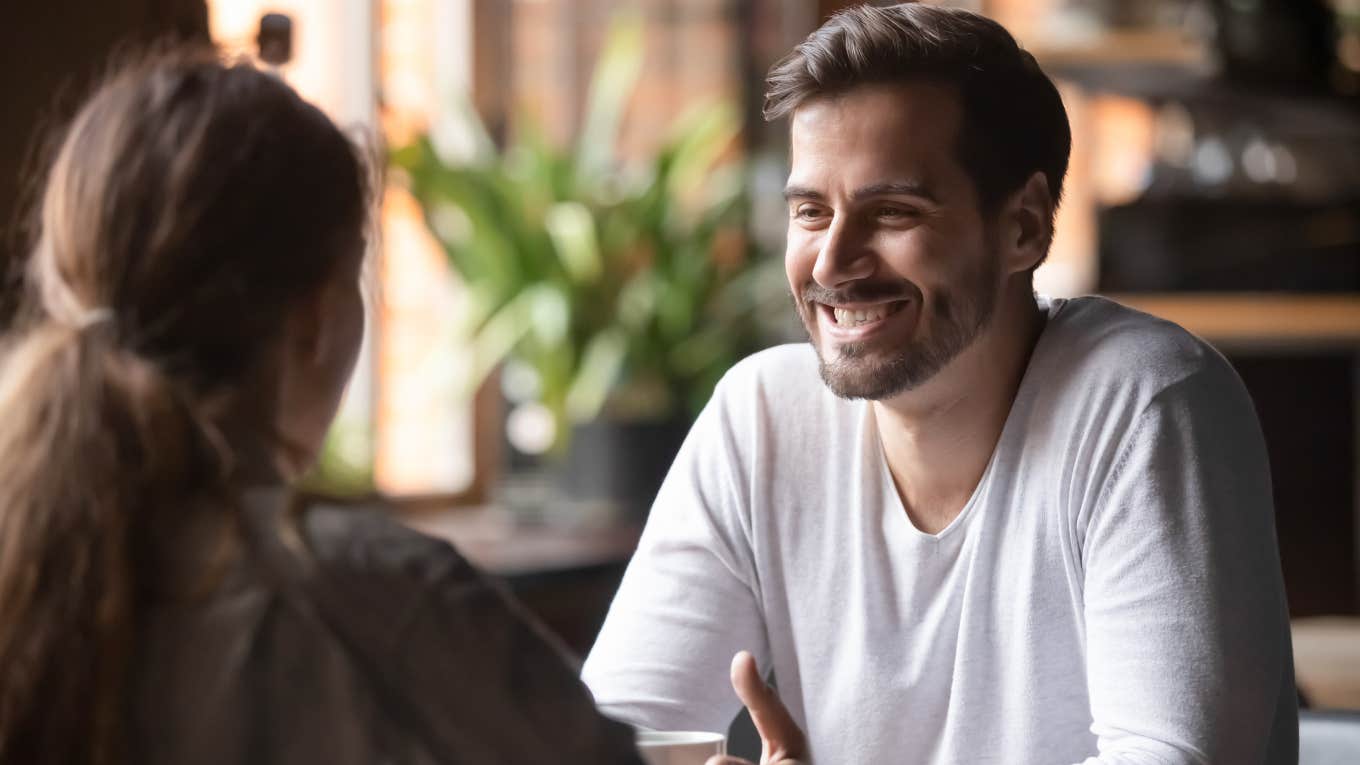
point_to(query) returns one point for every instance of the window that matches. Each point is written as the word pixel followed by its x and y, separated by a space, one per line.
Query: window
pixel 406 426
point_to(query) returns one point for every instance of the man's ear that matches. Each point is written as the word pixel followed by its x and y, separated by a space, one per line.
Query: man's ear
pixel 1027 228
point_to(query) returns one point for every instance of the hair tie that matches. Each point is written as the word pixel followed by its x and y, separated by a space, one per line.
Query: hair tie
pixel 93 317
pixel 60 301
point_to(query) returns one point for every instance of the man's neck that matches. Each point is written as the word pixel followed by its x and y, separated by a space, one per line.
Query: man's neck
pixel 939 437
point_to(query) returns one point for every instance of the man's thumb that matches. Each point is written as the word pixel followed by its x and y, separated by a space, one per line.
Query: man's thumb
pixel 781 736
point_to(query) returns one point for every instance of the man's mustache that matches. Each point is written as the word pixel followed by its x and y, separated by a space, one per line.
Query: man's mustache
pixel 871 292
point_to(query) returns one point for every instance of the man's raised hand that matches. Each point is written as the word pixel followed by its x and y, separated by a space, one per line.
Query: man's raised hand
pixel 781 740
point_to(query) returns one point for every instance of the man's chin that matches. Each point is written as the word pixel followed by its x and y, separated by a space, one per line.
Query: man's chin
pixel 856 373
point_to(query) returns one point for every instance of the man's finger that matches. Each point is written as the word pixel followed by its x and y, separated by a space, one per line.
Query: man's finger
pixel 780 735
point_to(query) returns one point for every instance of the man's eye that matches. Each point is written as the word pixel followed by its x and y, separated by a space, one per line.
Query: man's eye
pixel 893 213
pixel 808 213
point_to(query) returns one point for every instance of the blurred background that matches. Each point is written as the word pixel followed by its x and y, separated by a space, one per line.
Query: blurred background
pixel 582 229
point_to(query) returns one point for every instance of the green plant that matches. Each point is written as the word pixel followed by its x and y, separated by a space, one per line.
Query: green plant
pixel 627 289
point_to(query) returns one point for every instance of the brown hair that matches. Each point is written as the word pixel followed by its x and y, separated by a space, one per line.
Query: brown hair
pixel 190 207
pixel 1014 123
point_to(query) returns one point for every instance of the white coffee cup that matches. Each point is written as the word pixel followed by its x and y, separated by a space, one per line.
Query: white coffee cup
pixel 667 747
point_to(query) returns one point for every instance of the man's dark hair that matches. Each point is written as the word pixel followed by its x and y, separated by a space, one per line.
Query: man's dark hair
pixel 1013 123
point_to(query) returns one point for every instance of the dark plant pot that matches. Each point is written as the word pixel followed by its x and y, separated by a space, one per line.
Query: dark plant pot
pixel 621 463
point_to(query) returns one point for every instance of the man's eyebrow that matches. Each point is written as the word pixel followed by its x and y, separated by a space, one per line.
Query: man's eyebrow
pixel 900 188
pixel 802 192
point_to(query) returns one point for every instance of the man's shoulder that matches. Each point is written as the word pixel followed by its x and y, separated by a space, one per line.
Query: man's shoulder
pixel 793 363
pixel 775 396
pixel 1097 344
pixel 779 376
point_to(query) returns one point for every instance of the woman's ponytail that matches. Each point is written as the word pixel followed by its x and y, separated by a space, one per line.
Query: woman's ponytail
pixel 94 440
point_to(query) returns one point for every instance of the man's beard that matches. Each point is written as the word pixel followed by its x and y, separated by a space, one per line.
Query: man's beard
pixel 956 321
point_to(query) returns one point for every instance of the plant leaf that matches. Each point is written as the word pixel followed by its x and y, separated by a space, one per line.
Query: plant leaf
pixel 498 337
pixel 572 229
pixel 459 136
pixel 599 369
pixel 703 135
pixel 611 88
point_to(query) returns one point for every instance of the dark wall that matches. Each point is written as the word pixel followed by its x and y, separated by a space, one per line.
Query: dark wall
pixel 1307 406
pixel 50 53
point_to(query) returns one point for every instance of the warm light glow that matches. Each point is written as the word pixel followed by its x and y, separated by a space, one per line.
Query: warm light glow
pixel 1124 148
pixel 424 413
pixel 1072 263
pixel 234 22
pixel 423 420
pixel 318 40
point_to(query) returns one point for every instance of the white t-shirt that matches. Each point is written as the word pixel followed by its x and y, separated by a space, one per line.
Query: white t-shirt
pixel 1111 593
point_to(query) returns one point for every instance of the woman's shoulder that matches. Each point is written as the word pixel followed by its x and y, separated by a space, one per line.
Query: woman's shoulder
pixel 359 570
pixel 366 540
pixel 447 637
pixel 378 579
pixel 456 665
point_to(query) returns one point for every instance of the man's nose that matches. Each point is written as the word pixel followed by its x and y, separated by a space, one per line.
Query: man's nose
pixel 844 256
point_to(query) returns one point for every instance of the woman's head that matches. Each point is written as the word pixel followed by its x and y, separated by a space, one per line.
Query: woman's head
pixel 194 314
pixel 207 220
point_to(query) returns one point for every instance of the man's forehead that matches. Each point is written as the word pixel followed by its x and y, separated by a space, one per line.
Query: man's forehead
pixel 916 105
pixel 900 133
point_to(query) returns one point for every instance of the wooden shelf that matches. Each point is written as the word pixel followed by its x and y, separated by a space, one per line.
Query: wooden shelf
pixel 1249 320
pixel 494 541
pixel 1327 660
pixel 1125 48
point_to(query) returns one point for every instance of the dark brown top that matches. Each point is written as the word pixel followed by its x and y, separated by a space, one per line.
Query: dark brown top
pixel 376 645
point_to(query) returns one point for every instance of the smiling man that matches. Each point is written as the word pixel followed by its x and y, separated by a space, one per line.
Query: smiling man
pixel 964 524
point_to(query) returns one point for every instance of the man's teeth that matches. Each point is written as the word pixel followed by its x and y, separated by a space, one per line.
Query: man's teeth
pixel 847 318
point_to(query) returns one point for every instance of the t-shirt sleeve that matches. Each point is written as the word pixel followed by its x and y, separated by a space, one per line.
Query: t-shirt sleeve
pixel 689 599
pixel 1188 650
